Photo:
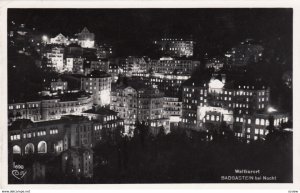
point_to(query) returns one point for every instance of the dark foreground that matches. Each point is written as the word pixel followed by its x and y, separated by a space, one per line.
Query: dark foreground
pixel 181 158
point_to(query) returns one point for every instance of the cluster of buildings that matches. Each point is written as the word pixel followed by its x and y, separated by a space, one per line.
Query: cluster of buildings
pixel 245 53
pixel 176 47
pixel 61 53
pixel 74 55
pixel 140 103
pixel 114 94
pixel 71 137
pixel 50 107
pixel 243 105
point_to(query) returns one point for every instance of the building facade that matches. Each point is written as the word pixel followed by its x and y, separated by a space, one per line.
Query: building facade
pixel 86 39
pixel 170 84
pixel 168 65
pixel 144 104
pixel 58 85
pixel 56 58
pixel 223 101
pixel 98 83
pixel 246 53
pixel 60 39
pixel 49 108
pixel 176 47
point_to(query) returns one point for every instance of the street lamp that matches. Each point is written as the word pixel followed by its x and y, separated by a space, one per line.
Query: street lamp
pixel 271 110
pixel 45 38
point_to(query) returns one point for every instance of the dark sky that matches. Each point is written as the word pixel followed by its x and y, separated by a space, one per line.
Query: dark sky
pixel 132 28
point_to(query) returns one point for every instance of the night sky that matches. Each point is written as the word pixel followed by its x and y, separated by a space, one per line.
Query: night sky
pixel 131 30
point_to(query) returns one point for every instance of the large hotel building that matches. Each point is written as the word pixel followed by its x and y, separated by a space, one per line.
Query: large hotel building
pixel 143 104
pixel 50 107
pixel 176 47
pixel 244 107
pixel 98 83
pixel 168 65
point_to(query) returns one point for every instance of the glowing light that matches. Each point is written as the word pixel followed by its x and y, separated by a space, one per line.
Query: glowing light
pixel 216 84
pixel 271 110
pixel 175 119
pixel 45 38
pixel 104 97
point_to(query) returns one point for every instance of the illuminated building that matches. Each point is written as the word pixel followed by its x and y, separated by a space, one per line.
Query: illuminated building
pixel 104 121
pixel 70 136
pixel 114 70
pixel 170 65
pixel 246 53
pixel 170 84
pixel 124 101
pixel 172 110
pixel 59 85
pixel 172 107
pixel 215 63
pixel 69 64
pixel 56 58
pixel 59 40
pixel 78 162
pixel 26 137
pixel 77 64
pixel 217 101
pixel 136 65
pixel 176 47
pixel 86 39
pixel 104 51
pixel 254 127
pixel 140 103
pixel 287 78
pixel 50 107
pixel 98 83
pixel 100 65
pixel 54 136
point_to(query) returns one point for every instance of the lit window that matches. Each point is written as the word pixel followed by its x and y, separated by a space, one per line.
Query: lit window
pixel 262 122
pixel 256 131
pixel 261 131
pixel 212 117
pixel 249 121
pixel 257 121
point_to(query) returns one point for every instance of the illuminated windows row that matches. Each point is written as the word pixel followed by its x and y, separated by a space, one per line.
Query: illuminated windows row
pixel 97 127
pixel 213 117
pixel 15 137
pixel 53 131
pixel 263 122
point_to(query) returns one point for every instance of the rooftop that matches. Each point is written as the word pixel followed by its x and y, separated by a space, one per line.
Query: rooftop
pixel 97 74
pixel 101 111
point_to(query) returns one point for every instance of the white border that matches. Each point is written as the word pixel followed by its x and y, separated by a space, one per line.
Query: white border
pixel 148 4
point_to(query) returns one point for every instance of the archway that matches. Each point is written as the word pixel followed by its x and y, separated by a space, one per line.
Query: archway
pixel 42 147
pixel 29 148
pixel 16 149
